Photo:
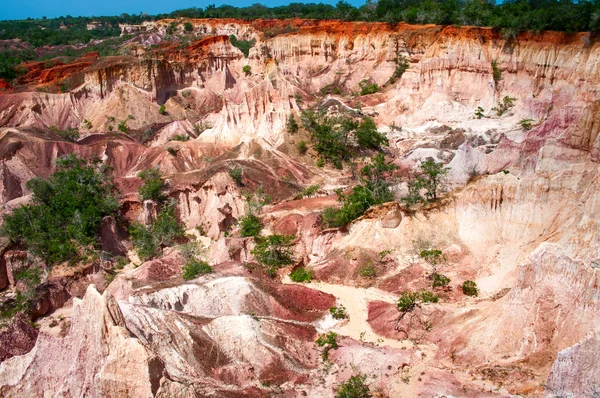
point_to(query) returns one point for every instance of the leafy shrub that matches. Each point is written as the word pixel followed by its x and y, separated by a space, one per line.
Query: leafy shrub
pixel 188 27
pixel 301 275
pixel 496 72
pixel 65 212
pixel 367 271
pixel 504 105
pixel 328 342
pixel 374 190
pixel 86 124
pixel 123 126
pixel 302 147
pixel 30 276
pixel 338 312
pixel 308 191
pixel 236 174
pixel 274 251
pixel 479 112
pixel 181 137
pixel 367 135
pixel 194 268
pixel 432 256
pixel 250 225
pixel 408 301
pixel 526 124
pixel 401 67
pixel 153 185
pixel 171 28
pixel 162 233
pixel 292 125
pixel 71 134
pixel 440 280
pixel 470 288
pixel 172 151
pixel 320 162
pixel 162 110
pixel 243 45
pixel 366 88
pixel 247 69
pixel 355 387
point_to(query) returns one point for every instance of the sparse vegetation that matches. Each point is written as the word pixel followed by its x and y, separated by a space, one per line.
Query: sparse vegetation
pixel 440 280
pixel 408 301
pixel 123 127
pixel 250 225
pixel 338 312
pixel 302 147
pixel 432 256
pixel 153 185
pixel 308 192
pixel 355 387
pixel 172 151
pixel 274 252
pixel 367 271
pixel 328 342
pixel 526 124
pixel 504 105
pixel 194 267
pixel 181 137
pixel 148 241
pixel 65 212
pixel 292 125
pixel 470 288
pixel 70 134
pixel 302 275
pixel 401 66
pixel 368 88
pixel 247 69
pixel 243 45
pixel 373 190
pixel 236 173
pixel 431 178
pixel 162 110
pixel 479 112
pixel 496 72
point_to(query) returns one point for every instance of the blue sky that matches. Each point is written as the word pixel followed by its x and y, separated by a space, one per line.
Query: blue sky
pixel 10 9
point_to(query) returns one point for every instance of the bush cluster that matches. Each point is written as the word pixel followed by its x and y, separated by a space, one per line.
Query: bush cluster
pixel 153 185
pixel 65 212
pixel 149 240
pixel 301 275
pixel 337 139
pixel 373 190
pixel 194 267
pixel 408 301
pixel 274 252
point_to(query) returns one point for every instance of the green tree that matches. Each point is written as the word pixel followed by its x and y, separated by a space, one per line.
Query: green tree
pixel 367 135
pixel 433 177
pixel 65 212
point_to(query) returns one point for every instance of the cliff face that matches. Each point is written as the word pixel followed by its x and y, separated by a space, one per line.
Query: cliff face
pixel 521 218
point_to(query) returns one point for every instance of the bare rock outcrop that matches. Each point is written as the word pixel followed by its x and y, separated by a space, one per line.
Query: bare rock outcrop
pixel 97 358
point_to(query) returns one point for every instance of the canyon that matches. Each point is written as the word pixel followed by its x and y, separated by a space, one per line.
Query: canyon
pixel 520 215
